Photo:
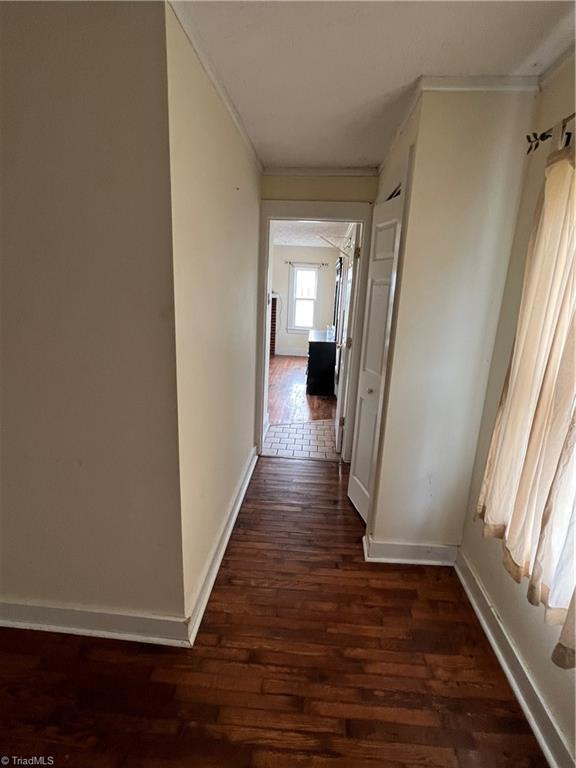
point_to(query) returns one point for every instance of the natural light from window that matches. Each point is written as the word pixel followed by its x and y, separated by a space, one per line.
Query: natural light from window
pixel 303 295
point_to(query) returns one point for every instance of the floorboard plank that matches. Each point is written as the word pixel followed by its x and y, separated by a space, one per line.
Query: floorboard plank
pixel 307 656
pixel 287 398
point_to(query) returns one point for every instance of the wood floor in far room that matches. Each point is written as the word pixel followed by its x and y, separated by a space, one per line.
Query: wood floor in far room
pixel 287 398
pixel 307 657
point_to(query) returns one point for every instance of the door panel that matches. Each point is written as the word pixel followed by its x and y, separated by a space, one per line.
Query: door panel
pixel 375 344
pixel 377 311
pixel 385 240
pixel 361 461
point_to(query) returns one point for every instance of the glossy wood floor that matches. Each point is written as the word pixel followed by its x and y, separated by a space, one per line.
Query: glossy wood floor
pixel 307 657
pixel 287 398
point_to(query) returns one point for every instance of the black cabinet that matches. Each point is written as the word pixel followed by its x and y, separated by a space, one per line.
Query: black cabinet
pixel 321 363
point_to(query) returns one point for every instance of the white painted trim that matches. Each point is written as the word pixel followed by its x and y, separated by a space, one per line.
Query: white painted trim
pixel 402 552
pixel 498 83
pixel 458 84
pixel 291 327
pixel 215 560
pixel 556 749
pixel 302 210
pixel 552 70
pixel 315 210
pixel 316 172
pixel 414 101
pixel 541 720
pixel 406 183
pixel 144 628
pixel 218 86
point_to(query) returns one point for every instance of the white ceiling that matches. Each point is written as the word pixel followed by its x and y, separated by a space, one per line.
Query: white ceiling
pixel 309 233
pixel 326 84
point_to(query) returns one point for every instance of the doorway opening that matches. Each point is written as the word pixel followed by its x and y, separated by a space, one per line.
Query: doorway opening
pixel 363 343
pixel 312 282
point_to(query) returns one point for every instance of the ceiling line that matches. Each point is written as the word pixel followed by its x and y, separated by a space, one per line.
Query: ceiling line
pixel 220 89
pixel 362 171
pixel 549 73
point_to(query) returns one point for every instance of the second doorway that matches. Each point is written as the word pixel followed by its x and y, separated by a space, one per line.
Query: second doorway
pixel 311 281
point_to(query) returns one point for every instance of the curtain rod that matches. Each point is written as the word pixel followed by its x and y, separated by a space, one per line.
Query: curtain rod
pixel 337 247
pixel 535 139
pixel 307 264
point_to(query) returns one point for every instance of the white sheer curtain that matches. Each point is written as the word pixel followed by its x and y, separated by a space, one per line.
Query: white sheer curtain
pixel 528 495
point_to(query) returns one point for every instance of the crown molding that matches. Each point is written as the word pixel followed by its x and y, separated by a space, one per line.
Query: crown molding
pixel 220 90
pixel 551 72
pixel 323 171
pixel 414 101
pixel 426 84
pixel 489 83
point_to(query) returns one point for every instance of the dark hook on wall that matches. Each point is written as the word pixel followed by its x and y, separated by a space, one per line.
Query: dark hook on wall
pixel 535 139
pixel 567 136
pixel 396 192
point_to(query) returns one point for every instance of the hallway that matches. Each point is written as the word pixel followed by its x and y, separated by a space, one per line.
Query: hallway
pixel 307 656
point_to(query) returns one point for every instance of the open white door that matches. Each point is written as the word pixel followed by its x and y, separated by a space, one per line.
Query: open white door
pixel 386 225
pixel 349 280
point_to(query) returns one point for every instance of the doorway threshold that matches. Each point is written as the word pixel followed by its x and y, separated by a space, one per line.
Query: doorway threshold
pixel 302 440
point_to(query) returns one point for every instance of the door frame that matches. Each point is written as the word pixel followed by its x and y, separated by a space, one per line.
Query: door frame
pixel 406 187
pixel 297 210
pixel 356 321
pixel 396 215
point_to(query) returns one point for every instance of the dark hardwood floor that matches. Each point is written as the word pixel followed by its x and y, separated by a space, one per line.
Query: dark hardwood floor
pixel 307 657
pixel 287 398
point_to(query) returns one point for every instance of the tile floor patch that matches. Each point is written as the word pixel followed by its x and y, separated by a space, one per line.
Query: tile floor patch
pixel 302 440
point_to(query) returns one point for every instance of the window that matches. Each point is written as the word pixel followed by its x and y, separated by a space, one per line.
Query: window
pixel 528 495
pixel 302 296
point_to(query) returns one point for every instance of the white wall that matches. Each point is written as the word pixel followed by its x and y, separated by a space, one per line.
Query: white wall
pixel 129 274
pixel 332 188
pixel 89 496
pixel 467 179
pixel 395 166
pixel 523 622
pixel 294 342
pixel 215 209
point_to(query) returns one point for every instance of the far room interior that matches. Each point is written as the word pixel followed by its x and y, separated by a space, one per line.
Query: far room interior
pixel 311 283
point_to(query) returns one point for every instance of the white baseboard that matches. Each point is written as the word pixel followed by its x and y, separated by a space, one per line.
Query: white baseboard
pixel 398 552
pixel 211 570
pixel 288 352
pixel 179 631
pixel 144 628
pixel 162 630
pixel 555 749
